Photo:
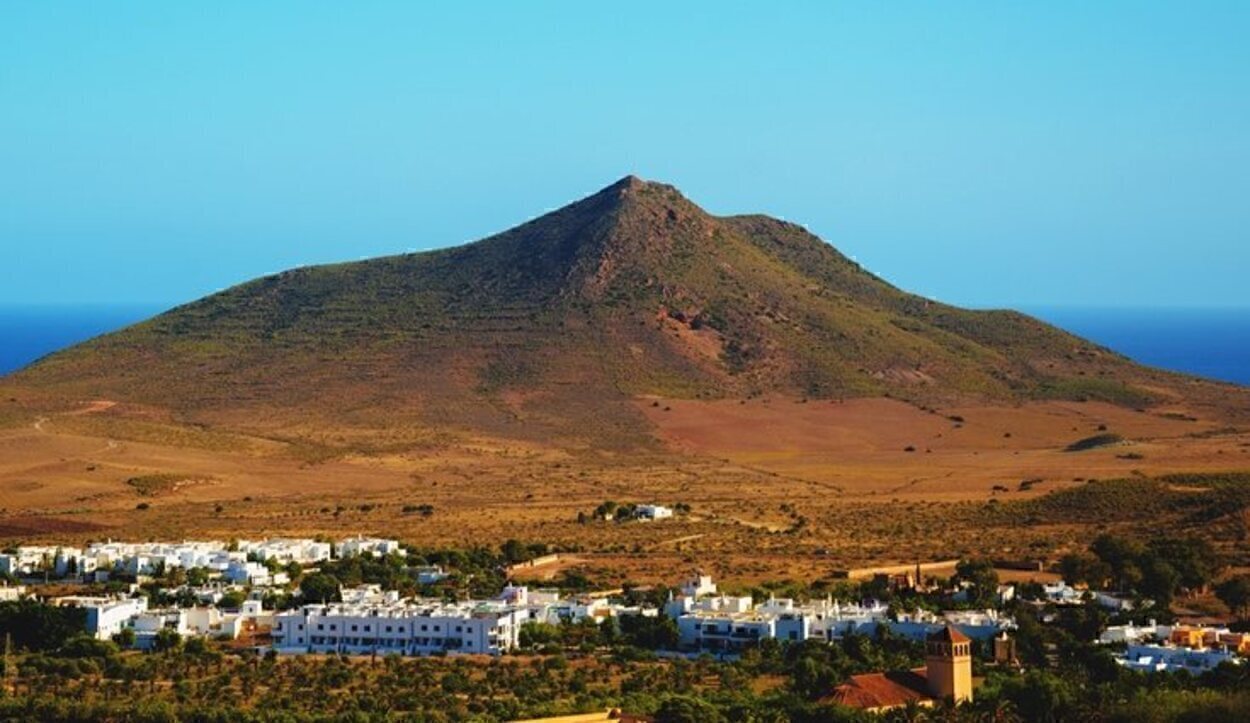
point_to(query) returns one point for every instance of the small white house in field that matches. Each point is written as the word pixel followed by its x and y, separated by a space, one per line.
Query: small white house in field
pixel 653 512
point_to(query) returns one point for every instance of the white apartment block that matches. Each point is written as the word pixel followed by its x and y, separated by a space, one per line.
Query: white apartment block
pixel 402 628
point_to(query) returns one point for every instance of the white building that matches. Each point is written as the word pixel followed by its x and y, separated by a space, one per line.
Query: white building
pixel 28 560
pixel 430 574
pixel 360 545
pixel 402 628
pixel 1062 593
pixel 368 595
pixel 253 573
pixel 106 617
pixel 1129 633
pixel 1116 602
pixel 729 623
pixel 652 512
pixel 724 631
pixel 285 550
pixel 698 586
pixel 1170 659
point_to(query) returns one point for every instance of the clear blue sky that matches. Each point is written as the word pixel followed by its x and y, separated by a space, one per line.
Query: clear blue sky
pixel 986 153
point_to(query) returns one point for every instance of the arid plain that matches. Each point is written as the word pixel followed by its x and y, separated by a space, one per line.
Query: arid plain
pixel 778 487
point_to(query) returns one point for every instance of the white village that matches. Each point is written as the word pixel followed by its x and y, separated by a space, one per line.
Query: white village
pixel 242 592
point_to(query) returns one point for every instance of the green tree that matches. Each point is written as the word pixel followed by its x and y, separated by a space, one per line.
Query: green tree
pixel 197 576
pixel 167 639
pixel 687 709
pixel 231 600
pixel 125 638
pixel 982 581
pixel 514 551
pixel 319 587
pixel 36 626
pixel 1159 580
pixel 534 634
pixel 1077 568
pixel 1235 593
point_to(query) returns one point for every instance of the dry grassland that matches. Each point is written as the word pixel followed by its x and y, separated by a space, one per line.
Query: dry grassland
pixel 779 488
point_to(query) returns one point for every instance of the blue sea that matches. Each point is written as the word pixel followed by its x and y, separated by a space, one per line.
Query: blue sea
pixel 1212 343
pixel 30 332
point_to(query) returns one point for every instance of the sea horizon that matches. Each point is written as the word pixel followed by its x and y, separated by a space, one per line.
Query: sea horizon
pixel 1208 342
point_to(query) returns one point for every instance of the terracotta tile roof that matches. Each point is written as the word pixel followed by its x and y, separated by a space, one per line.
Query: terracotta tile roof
pixel 949 634
pixel 883 690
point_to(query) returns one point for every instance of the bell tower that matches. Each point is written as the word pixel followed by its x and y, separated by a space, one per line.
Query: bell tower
pixel 948 665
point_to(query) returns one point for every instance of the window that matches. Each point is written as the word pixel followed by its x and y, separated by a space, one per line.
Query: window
pixel 353 628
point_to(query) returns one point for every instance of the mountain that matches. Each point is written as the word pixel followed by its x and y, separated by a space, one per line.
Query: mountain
pixel 552 330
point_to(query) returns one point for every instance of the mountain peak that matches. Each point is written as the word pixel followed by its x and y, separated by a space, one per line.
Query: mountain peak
pixel 630 182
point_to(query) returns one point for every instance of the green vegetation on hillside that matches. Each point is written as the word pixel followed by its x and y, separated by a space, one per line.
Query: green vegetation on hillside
pixel 1213 505
pixel 1094 442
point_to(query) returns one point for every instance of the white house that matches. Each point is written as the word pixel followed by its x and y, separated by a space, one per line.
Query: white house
pixel 698 586
pixel 302 551
pixel 652 512
pixel 1116 602
pixel 251 573
pixel 106 616
pixel 1062 593
pixel 1129 633
pixel 28 559
pixel 359 545
pixel 430 574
